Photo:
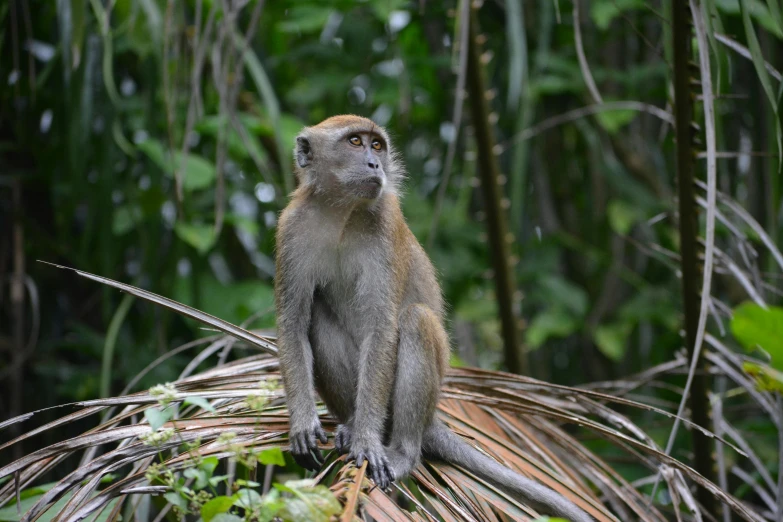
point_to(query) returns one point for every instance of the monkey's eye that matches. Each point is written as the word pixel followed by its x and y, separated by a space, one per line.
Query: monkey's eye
pixel 376 144
pixel 355 140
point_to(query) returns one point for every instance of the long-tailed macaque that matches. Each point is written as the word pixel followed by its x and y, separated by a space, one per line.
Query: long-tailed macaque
pixel 360 318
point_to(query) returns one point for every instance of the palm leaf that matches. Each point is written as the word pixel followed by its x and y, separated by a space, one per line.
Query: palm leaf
pixel 517 420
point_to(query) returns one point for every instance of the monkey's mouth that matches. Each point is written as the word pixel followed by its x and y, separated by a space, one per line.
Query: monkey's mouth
pixel 371 187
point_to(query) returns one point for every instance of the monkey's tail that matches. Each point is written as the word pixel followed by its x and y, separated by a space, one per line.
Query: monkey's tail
pixel 441 443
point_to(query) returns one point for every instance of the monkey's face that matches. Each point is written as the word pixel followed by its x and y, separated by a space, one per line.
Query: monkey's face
pixel 350 161
pixel 362 158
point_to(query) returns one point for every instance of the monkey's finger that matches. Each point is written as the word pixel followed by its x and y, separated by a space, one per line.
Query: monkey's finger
pixel 294 440
pixel 321 435
pixel 380 478
pixel 378 472
pixel 359 460
pixel 311 443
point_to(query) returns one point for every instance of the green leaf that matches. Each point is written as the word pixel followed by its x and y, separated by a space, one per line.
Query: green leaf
pixel 313 504
pixel 766 377
pixel 10 513
pixel 233 302
pixel 455 361
pixel 604 11
pixel 549 84
pixel 125 219
pixel 552 323
pixel 201 402
pixel 272 456
pixel 757 9
pixel 775 14
pixel 157 417
pixel 209 464
pixel 761 70
pixel 237 147
pixel 245 224
pixel 305 19
pixel 247 483
pixel 754 326
pixel 224 517
pixel 612 339
pixel 201 237
pixel 217 479
pixel 36 491
pixel 216 506
pixel 247 498
pixel 560 292
pixel 200 477
pixel 197 174
pixel 175 499
pixel 384 8
pixel 613 121
pixel 623 216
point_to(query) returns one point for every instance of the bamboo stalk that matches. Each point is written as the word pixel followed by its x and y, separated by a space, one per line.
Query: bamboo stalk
pixel 689 245
pixel 497 226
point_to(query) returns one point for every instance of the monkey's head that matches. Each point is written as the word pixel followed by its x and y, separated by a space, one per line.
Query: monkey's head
pixel 347 157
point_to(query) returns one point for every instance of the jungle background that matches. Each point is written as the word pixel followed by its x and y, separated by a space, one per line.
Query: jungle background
pixel 149 141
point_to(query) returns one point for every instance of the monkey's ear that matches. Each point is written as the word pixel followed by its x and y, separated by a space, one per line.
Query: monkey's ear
pixel 304 152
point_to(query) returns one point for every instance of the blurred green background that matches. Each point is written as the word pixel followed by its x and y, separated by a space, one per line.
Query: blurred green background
pixel 103 105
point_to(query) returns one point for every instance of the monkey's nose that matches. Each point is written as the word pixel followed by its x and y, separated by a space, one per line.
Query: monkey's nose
pixel 373 164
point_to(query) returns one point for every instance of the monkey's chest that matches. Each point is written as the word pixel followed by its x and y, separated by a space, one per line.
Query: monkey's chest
pixel 351 282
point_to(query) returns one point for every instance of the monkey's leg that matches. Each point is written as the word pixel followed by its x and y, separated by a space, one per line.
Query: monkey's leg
pixel 417 383
pixel 335 357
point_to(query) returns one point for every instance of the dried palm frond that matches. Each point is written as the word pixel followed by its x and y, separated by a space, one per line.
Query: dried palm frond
pixel 519 421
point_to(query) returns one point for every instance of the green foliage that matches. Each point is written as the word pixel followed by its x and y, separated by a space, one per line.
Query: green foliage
pixel 195 491
pixel 603 12
pixel 759 327
pixel 197 172
pixel 29 497
pixel 592 197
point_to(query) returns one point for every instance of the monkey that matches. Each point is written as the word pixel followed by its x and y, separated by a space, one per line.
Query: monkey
pixel 360 318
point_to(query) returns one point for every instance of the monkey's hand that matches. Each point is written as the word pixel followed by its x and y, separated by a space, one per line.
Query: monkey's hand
pixel 342 439
pixel 379 467
pixel 304 446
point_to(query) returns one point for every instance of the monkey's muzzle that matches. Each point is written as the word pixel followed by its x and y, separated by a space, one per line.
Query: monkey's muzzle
pixel 371 187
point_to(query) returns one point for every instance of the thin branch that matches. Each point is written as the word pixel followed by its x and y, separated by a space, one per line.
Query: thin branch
pixel 733 155
pixel 745 216
pixel 168 103
pixel 575 114
pixel 745 53
pixel 580 52
pixel 459 102
pixel 195 86
pixel 636 30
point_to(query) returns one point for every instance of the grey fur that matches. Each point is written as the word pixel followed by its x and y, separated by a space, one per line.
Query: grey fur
pixel 360 317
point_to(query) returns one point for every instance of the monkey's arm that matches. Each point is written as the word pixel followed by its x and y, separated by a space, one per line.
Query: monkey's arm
pixel 294 299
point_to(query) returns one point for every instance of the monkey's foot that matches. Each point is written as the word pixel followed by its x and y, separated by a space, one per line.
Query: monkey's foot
pixel 342 439
pixel 304 445
pixel 378 465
